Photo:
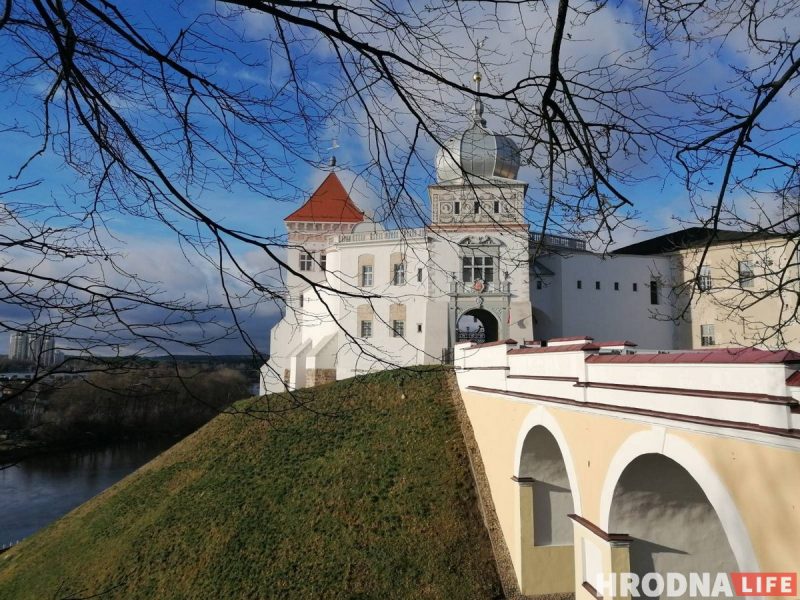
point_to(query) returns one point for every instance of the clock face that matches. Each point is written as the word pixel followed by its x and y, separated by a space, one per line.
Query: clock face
pixel 446 208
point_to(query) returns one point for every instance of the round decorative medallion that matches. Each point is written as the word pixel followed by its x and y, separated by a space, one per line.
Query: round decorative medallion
pixel 446 207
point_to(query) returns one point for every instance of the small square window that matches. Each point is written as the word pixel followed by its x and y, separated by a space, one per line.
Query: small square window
pixel 419 327
pixel 707 335
pixel 398 328
pixel 635 287
pixel 538 284
pixel 366 329
pixel 323 262
pixel 301 300
pixel 477 207
pixel 419 275
pixel 597 285
pixel 580 284
pixel 654 291
pixel 496 207
pixel 456 208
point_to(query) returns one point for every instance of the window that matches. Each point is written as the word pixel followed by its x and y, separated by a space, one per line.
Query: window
pixel 478 267
pixel 707 335
pixel 653 291
pixel 366 276
pixel 419 275
pixel 398 328
pixel 456 208
pixel 597 285
pixel 496 207
pixel 398 274
pixel 306 261
pixel 419 327
pixel 704 280
pixel 538 284
pixel 580 284
pixel 616 286
pixel 301 300
pixel 366 329
pixel 745 274
pixel 477 207
pixel 323 262
pixel 635 287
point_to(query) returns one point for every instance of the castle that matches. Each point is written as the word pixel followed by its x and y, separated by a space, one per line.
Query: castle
pixel 362 298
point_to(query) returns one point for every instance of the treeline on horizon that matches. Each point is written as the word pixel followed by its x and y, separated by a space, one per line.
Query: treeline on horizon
pixel 139 402
pixel 73 362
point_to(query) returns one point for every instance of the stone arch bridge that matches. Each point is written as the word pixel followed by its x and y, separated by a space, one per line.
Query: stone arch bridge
pixel 605 459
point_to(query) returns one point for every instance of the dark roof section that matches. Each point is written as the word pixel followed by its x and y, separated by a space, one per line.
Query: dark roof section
pixel 330 204
pixel 693 237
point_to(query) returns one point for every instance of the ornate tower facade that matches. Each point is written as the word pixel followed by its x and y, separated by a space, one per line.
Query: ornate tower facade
pixel 477 204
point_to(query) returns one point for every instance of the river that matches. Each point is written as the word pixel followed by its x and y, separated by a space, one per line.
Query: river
pixel 43 488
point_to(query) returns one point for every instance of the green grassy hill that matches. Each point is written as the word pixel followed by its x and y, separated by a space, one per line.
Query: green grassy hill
pixel 360 494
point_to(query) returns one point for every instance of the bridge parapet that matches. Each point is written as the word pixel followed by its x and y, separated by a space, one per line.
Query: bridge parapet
pixel 737 388
pixel 605 437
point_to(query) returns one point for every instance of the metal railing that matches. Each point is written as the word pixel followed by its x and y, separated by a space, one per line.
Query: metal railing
pixel 477 337
pixel 557 241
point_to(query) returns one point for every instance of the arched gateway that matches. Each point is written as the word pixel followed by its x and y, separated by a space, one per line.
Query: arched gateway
pixel 477 325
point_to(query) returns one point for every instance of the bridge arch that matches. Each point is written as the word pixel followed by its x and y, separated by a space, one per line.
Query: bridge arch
pixel 657 441
pixel 540 417
pixel 547 493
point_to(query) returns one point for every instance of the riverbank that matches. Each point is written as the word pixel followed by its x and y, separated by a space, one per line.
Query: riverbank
pixel 45 487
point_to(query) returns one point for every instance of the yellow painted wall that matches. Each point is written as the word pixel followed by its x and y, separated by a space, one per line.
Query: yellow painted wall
pixel 763 480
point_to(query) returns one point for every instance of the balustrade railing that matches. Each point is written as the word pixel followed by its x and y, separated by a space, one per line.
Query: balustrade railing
pixel 380 236
pixel 468 288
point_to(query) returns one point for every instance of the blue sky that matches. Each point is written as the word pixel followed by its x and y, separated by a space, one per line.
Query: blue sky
pixel 148 247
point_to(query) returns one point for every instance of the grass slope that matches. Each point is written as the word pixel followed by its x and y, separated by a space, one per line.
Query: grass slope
pixel 364 495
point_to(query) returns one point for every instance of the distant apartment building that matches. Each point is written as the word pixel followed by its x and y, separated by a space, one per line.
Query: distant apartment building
pixel 30 347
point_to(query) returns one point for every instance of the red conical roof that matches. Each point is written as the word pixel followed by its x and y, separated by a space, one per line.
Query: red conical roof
pixel 329 204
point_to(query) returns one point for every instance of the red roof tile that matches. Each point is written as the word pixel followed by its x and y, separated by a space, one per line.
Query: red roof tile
pixel 574 338
pixel 508 342
pixel 719 356
pixel 329 204
pixel 615 343
pixel 565 348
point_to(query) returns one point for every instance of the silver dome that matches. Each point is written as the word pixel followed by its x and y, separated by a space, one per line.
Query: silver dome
pixel 478 152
